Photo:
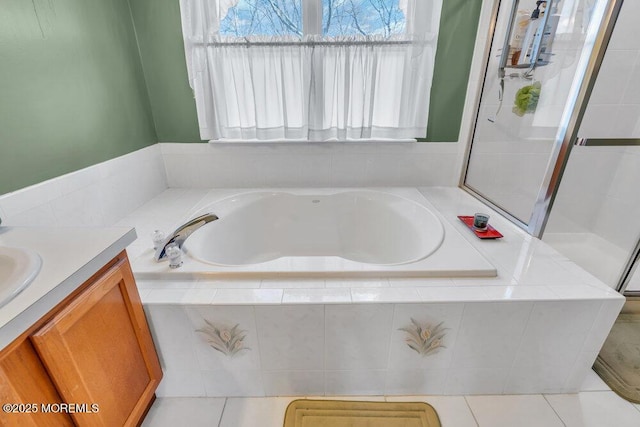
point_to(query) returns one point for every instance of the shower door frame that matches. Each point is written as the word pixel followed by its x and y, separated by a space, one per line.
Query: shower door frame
pixel 566 137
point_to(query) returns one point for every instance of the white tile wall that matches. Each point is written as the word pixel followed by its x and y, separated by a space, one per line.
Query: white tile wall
pixel 355 382
pixel 485 340
pixel 310 165
pixel 357 336
pixel 291 337
pixel 361 349
pixel 222 383
pixel 99 195
pixel 476 381
pixel 293 383
pixel 415 381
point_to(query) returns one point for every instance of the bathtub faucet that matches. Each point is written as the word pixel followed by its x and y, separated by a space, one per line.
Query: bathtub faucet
pixel 180 235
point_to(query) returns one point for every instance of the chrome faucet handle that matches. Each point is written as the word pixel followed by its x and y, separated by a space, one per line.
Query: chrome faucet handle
pixel 182 233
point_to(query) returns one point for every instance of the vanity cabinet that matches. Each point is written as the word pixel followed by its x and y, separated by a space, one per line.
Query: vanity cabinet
pixel 94 351
pixel 24 381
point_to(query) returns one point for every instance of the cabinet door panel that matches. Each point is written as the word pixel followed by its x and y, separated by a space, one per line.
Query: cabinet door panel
pixel 23 380
pixel 98 350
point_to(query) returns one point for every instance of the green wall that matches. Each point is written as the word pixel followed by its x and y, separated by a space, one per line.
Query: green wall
pixel 159 32
pixel 72 91
pixel 456 41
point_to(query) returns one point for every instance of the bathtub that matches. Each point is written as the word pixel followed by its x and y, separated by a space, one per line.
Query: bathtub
pixel 324 232
pixel 342 335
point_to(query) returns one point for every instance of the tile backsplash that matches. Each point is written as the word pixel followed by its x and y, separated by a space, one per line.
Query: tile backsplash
pixel 328 164
pixel 103 194
pixel 99 195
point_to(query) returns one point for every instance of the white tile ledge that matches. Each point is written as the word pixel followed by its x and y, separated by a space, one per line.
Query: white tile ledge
pixel 528 270
pixel 250 292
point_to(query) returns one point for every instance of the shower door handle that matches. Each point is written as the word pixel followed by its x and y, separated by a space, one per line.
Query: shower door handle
pixel 607 142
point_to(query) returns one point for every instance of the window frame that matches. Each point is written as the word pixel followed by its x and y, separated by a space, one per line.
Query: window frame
pixel 311 17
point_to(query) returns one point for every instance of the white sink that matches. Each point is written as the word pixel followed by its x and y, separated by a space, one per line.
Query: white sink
pixel 18 268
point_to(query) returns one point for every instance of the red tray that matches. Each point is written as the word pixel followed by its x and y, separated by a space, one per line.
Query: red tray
pixel 490 233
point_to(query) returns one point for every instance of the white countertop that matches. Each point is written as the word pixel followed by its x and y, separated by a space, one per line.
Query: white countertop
pixel 70 256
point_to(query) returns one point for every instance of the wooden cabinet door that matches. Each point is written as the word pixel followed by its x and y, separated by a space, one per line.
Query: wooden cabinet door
pixel 27 389
pixel 98 350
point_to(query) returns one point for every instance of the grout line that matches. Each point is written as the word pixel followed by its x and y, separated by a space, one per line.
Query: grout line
pixel 324 349
pixel 471 410
pixel 554 410
pixel 520 345
pixel 259 346
pixel 224 406
pixel 445 386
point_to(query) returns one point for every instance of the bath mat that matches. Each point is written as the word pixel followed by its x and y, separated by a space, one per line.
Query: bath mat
pixel 340 413
pixel 618 363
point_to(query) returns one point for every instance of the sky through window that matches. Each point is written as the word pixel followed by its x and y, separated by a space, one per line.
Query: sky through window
pixel 340 18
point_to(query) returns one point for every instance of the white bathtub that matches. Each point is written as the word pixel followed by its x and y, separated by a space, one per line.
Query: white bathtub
pixel 326 232
pixel 362 226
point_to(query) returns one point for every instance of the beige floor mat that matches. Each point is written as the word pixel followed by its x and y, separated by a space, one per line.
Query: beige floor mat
pixel 618 363
pixel 334 413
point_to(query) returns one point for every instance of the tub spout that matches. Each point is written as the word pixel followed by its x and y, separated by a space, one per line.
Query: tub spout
pixel 180 235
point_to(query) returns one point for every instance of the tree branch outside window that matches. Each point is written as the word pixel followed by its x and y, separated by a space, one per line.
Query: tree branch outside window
pixel 340 18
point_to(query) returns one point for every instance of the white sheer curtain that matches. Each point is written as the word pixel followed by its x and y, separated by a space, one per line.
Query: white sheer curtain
pixel 276 88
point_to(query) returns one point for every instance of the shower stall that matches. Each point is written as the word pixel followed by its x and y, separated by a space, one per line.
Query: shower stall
pixel 556 141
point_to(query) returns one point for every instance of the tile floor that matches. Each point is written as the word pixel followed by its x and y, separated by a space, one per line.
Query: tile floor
pixel 595 406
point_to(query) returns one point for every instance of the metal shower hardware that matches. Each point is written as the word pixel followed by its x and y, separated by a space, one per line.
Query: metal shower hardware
pixel 506 48
pixel 536 45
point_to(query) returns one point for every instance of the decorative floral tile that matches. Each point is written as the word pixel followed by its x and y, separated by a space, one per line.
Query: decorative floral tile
pixel 228 341
pixel 424 338
pixel 225 337
pixel 424 335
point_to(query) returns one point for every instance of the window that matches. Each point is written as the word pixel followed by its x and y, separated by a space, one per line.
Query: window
pixel 311 69
pixel 339 18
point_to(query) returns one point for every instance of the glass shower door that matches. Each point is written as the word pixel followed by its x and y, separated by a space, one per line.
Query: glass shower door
pixel 535 64
pixel 594 220
pixel 595 217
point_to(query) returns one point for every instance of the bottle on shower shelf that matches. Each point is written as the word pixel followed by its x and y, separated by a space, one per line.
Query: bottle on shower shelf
pixel 520 30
